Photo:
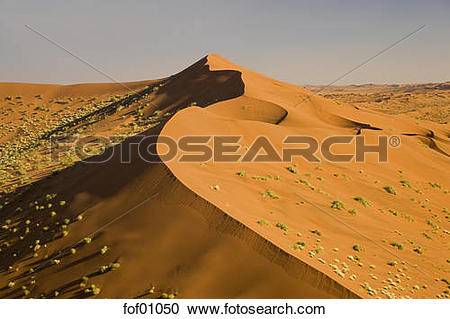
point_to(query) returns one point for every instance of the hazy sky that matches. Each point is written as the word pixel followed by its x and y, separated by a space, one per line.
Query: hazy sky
pixel 302 42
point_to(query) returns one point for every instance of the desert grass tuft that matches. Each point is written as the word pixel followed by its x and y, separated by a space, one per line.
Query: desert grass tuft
pixel 337 204
pixel 363 201
pixel 281 226
pixel 390 190
pixel 263 222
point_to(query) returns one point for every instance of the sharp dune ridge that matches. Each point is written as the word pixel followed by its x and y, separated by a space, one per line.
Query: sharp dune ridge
pixel 208 232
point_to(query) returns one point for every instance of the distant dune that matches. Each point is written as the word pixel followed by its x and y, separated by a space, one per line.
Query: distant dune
pixel 218 230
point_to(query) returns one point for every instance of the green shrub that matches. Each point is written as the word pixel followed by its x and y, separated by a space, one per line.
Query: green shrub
pixel 435 185
pixel 357 248
pixel 292 169
pixel 432 224
pixel 363 201
pixel 306 182
pixel 317 232
pixel 262 222
pixel 390 190
pixel 393 212
pixel 397 245
pixel 260 178
pixel 427 236
pixel 405 183
pixel 115 266
pixel 392 263
pixel 93 290
pixel 281 226
pixel 241 173
pixel 336 204
pixel 270 194
pixel 408 217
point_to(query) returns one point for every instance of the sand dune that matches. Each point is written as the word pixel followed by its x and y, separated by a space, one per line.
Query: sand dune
pixel 49 91
pixel 202 230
